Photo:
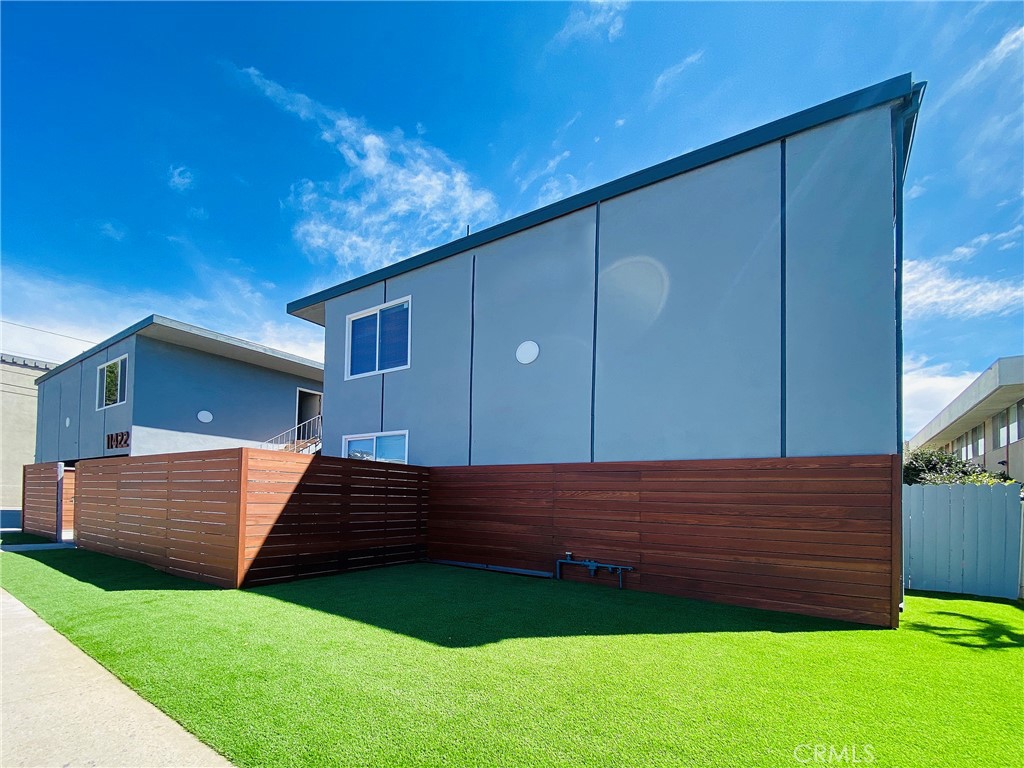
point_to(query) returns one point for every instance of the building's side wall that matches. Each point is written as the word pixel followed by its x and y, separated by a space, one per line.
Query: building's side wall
pixel 536 285
pixel 351 407
pixel 173 384
pixel 743 309
pixel 841 335
pixel 442 317
pixel 689 315
pixel 18 403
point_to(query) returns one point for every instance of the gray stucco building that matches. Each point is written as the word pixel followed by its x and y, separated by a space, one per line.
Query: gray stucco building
pixel 18 399
pixel 162 386
pixel 739 301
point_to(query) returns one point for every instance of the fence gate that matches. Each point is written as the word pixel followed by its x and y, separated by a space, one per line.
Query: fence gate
pixel 962 538
pixel 48 499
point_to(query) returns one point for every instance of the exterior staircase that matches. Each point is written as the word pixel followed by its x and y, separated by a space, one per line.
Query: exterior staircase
pixel 304 438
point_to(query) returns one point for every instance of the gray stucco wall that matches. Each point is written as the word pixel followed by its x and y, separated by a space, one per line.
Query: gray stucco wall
pixel 689 319
pixel 350 407
pixel 441 329
pixel 173 383
pixel 841 331
pixel 714 339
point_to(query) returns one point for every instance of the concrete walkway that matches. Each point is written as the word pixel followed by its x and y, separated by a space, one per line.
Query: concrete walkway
pixel 60 708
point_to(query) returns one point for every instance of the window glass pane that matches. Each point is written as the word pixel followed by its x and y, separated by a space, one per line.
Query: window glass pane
pixel 391 448
pixel 122 386
pixel 1014 430
pixel 394 336
pixel 360 449
pixel 111 383
pixel 364 345
pixel 999 430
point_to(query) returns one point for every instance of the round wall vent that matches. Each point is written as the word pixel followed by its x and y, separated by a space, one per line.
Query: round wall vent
pixel 527 352
pixel 205 416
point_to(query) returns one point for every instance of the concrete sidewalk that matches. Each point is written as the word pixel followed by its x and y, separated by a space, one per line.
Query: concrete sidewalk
pixel 60 708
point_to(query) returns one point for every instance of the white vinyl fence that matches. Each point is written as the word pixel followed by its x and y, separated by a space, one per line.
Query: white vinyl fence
pixel 962 538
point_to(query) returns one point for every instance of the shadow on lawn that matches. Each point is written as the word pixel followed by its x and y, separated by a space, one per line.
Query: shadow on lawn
pixel 985 634
pixel 457 607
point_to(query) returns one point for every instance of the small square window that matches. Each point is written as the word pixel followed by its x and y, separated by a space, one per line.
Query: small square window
pixel 111 383
pixel 392 447
pixel 378 339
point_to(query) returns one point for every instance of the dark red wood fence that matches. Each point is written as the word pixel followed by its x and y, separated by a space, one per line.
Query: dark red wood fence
pixel 817 536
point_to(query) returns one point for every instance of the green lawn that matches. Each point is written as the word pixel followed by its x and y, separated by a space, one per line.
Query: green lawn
pixel 431 665
pixel 17 537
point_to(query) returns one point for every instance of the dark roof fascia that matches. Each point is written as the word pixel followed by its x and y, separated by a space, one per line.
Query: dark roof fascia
pixel 185 327
pixel 896 88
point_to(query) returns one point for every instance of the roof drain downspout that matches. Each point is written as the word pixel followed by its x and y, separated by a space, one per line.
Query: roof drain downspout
pixel 591 565
pixel 904 122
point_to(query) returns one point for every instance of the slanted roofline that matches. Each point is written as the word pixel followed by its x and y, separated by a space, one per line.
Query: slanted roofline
pixel 898 88
pixel 194 337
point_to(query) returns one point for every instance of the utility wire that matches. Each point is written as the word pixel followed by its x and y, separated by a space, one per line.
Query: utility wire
pixel 43 330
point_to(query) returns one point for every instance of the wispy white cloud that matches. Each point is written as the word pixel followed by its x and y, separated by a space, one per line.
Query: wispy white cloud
pixel 542 171
pixel 113 229
pixel 620 122
pixel 1011 43
pixel 395 196
pixel 930 289
pixel 180 178
pixel 665 80
pixel 928 388
pixel 198 213
pixel 229 301
pixel 593 20
pixel 970 249
pixel 557 188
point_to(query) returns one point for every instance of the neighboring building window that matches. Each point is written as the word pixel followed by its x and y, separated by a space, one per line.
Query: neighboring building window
pixel 392 447
pixel 999 430
pixel 978 441
pixel 1016 430
pixel 961 447
pixel 378 339
pixel 111 383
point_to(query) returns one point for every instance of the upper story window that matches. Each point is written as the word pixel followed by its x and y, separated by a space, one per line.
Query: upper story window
pixel 978 441
pixel 111 383
pixel 392 447
pixel 378 339
pixel 1016 430
pixel 999 430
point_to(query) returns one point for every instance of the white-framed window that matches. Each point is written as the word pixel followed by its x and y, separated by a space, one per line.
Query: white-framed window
pixel 111 383
pixel 999 430
pixel 392 447
pixel 379 339
pixel 978 441
pixel 1016 430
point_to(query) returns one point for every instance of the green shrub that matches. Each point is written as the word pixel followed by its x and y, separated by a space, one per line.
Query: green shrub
pixel 926 466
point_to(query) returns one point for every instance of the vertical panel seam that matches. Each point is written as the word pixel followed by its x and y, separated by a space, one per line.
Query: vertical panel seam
pixel 472 345
pixel 593 336
pixel 782 305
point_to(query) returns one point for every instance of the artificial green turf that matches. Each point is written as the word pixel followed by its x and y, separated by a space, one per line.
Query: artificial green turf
pixel 19 537
pixel 431 665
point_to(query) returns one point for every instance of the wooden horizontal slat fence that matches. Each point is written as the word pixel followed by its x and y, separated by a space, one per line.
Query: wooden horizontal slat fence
pixel 807 535
pixel 818 536
pixel 39 498
pixel 177 512
pixel 247 516
pixel 311 515
pixel 46 489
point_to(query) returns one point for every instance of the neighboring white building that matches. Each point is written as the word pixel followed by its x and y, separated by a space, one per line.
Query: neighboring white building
pixel 985 422
pixel 18 396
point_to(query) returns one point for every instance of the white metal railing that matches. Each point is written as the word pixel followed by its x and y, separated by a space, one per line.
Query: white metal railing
pixel 304 438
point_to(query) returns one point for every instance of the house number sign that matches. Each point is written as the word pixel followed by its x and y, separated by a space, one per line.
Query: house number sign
pixel 118 440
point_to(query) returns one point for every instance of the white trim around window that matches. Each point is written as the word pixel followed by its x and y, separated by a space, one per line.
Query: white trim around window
pixel 122 382
pixel 373 436
pixel 348 339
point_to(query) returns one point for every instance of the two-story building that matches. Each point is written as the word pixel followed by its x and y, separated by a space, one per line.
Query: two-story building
pixel 162 386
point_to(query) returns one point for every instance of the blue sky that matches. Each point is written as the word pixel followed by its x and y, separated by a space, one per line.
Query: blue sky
pixel 212 162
